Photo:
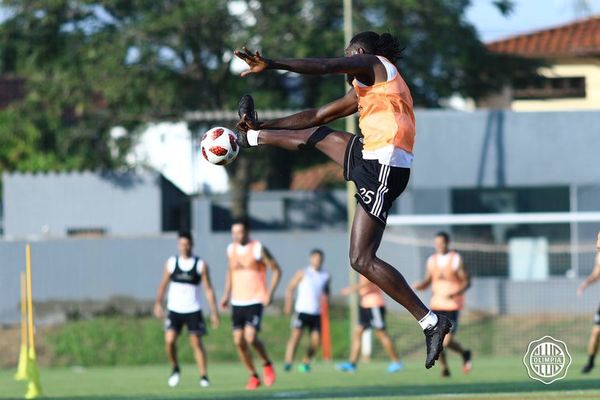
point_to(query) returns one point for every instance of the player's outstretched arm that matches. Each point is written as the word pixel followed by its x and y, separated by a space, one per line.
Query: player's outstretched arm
pixel 289 291
pixel 160 293
pixel 275 274
pixel 311 118
pixel 593 277
pixel 424 284
pixel 359 64
pixel 210 297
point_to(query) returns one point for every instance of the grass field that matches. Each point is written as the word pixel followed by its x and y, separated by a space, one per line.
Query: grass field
pixel 499 378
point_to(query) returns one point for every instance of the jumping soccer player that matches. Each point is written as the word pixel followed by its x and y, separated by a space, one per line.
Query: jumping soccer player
pixel 379 163
pixel 246 289
pixel 371 315
pixel 449 280
pixel 595 335
pixel 312 284
pixel 183 274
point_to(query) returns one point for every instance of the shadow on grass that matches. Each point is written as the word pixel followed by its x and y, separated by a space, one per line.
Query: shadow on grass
pixel 399 391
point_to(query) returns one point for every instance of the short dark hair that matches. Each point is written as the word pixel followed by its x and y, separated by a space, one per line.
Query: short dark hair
pixel 241 221
pixel 444 235
pixel 384 45
pixel 316 251
pixel 186 235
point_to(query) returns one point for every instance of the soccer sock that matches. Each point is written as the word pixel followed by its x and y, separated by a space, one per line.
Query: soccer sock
pixel 205 377
pixel 252 136
pixel 429 320
pixel 176 369
pixel 591 359
pixel 268 363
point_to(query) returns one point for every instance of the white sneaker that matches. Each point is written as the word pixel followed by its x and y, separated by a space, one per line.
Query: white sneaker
pixel 204 382
pixel 174 379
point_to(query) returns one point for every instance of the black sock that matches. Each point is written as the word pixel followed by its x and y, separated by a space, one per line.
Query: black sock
pixel 255 375
pixel 205 377
pixel 268 363
pixel 591 359
pixel 176 369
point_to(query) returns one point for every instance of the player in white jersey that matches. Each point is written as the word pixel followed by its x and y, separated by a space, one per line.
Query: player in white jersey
pixel 183 275
pixel 595 334
pixel 311 283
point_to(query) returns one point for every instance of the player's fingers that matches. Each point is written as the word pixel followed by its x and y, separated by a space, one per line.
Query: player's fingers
pixel 248 52
pixel 246 73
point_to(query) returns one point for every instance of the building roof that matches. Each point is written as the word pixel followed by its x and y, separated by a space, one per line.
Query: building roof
pixel 576 39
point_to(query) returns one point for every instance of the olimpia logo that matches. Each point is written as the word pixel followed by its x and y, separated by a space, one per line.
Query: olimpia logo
pixel 547 360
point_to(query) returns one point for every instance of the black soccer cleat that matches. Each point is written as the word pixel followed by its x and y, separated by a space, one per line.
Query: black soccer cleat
pixel 587 368
pixel 434 338
pixel 242 139
pixel 246 107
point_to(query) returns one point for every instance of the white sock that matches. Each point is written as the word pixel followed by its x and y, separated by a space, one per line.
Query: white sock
pixel 252 136
pixel 429 320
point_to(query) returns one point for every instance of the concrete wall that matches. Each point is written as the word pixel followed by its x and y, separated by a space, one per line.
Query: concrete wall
pixel 52 203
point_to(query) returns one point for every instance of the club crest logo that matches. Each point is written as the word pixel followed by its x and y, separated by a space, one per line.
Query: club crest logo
pixel 547 360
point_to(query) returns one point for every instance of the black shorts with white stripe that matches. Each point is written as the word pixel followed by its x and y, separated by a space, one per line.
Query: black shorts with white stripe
pixel 377 185
pixel 373 317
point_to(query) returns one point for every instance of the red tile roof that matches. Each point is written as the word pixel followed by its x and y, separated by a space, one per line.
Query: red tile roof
pixel 576 39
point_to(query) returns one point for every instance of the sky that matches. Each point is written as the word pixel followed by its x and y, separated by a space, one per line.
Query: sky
pixel 528 15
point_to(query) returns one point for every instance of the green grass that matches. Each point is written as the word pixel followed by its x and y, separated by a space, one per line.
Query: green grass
pixel 497 378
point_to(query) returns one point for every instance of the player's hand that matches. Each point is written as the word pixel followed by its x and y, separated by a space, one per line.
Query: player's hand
pixel 255 61
pixel 268 300
pixel 224 303
pixel 214 321
pixel 158 311
pixel 346 291
pixel 246 123
pixel 287 309
pixel 580 289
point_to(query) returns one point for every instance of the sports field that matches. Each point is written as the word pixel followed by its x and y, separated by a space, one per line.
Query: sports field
pixel 499 378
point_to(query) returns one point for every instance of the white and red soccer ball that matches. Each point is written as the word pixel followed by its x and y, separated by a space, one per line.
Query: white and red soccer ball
pixel 218 146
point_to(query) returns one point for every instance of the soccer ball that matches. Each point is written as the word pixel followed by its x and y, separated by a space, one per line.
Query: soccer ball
pixel 218 146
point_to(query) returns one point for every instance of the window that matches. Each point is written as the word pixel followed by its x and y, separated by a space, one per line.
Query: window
pixel 551 88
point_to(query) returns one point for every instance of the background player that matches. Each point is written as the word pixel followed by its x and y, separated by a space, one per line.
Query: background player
pixel 312 284
pixel 379 164
pixel 246 288
pixel 446 274
pixel 183 275
pixel 595 335
pixel 371 314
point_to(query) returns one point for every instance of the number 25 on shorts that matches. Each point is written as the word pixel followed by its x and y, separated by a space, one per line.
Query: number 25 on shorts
pixel 366 195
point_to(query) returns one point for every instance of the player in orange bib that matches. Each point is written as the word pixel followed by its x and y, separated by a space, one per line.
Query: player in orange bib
pixel 246 289
pixel 371 315
pixel 449 280
pixel 379 163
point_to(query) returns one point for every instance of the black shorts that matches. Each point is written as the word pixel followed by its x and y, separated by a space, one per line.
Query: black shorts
pixel 372 317
pixel 597 317
pixel 452 316
pixel 377 185
pixel 247 315
pixel 311 322
pixel 194 322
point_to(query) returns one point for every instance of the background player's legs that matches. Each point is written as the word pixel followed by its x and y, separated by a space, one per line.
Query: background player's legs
pixel 388 344
pixel 356 344
pixel 444 364
pixel 592 348
pixel 364 241
pixel 171 347
pixel 252 339
pixel 242 348
pixel 332 145
pixel 199 353
pixel 292 345
pixel 313 346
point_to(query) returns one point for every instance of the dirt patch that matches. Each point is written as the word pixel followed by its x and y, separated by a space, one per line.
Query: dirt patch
pixel 10 345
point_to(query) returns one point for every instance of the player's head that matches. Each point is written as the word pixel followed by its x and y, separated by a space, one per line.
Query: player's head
pixel 316 258
pixel 185 242
pixel 442 241
pixel 240 231
pixel 369 42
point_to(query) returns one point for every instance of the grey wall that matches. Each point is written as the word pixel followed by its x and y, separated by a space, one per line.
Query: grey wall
pixel 495 148
pixel 122 203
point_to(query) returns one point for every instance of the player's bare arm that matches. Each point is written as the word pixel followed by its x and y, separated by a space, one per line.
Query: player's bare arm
pixel 226 289
pixel 272 264
pixel 313 117
pixel 465 277
pixel 347 291
pixel 160 293
pixel 425 283
pixel 210 297
pixel 289 291
pixel 593 277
